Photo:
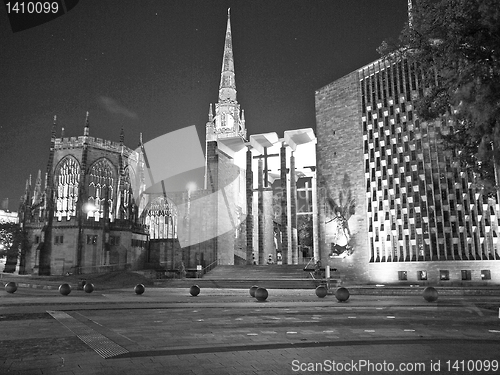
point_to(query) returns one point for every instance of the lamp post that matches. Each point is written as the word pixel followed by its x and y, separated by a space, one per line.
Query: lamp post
pixel 191 186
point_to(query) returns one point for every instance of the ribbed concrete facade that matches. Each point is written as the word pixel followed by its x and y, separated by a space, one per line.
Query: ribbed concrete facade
pixel 418 216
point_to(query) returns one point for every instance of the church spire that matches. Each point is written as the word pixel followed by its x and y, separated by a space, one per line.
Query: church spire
pixel 227 87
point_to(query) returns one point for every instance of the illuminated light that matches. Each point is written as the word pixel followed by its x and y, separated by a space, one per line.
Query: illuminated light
pixel 89 207
pixel 379 285
pixel 191 186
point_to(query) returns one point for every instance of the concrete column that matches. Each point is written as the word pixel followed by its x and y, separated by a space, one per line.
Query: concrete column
pixel 284 205
pixel 260 216
pixel 293 209
pixel 314 185
pixel 267 226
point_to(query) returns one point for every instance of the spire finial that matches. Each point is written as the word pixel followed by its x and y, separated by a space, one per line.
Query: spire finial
pixel 210 113
pixel 410 13
pixel 53 133
pixel 86 130
pixel 228 12
pixel 122 137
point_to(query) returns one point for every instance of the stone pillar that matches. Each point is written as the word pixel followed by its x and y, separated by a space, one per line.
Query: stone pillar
pixel 293 209
pixel 267 226
pixel 314 185
pixel 260 216
pixel 284 209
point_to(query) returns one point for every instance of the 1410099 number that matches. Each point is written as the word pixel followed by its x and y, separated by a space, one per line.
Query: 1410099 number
pixel 32 7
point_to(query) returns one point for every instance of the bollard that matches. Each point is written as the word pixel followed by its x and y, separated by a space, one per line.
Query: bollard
pixel 253 289
pixel 342 294
pixel 194 290
pixel 88 287
pixel 261 294
pixel 10 287
pixel 65 289
pixel 139 289
pixel 430 294
pixel 321 291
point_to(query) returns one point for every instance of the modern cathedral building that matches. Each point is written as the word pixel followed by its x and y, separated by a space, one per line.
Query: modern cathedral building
pixel 395 207
pixel 96 211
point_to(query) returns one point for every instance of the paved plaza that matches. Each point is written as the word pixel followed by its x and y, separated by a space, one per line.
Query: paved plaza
pixel 226 331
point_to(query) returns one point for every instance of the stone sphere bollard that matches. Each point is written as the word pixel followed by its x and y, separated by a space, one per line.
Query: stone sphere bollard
pixel 321 291
pixel 139 289
pixel 342 294
pixel 430 294
pixel 10 287
pixel 194 290
pixel 65 289
pixel 88 287
pixel 253 289
pixel 261 294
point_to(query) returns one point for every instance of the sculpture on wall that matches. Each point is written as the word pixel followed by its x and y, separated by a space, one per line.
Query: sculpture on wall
pixel 341 210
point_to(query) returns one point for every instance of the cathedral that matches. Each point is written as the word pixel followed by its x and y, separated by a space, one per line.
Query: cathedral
pixel 375 196
pixel 97 210
pixel 398 207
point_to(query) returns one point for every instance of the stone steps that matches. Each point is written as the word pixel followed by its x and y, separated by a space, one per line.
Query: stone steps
pixel 257 272
pixel 245 276
pixel 239 283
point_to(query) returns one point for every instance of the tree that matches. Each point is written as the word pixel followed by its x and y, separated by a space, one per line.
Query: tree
pixel 456 45
pixel 10 240
pixel 305 229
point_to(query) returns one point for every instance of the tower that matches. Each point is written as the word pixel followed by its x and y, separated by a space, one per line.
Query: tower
pixel 229 121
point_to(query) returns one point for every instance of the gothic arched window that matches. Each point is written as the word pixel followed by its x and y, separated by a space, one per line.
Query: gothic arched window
pixel 161 217
pixel 125 200
pixel 66 187
pixel 101 183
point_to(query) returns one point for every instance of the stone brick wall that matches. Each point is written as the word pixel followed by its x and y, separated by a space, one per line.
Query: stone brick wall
pixel 340 154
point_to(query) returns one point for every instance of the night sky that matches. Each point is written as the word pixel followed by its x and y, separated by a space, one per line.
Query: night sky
pixel 154 67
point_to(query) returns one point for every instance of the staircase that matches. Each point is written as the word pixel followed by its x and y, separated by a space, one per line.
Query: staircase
pixel 238 276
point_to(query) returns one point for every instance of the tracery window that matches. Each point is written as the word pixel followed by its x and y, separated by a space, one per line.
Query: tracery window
pixel 161 217
pixel 125 198
pixel 66 181
pixel 101 182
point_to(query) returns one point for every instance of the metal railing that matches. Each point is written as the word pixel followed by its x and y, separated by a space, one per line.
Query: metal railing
pixel 211 266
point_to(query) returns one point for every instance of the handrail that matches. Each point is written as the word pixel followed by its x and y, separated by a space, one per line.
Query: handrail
pixel 211 266
pixel 311 260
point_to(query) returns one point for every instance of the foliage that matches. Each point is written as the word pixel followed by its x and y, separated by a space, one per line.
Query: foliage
pixel 305 230
pixel 456 45
pixel 11 238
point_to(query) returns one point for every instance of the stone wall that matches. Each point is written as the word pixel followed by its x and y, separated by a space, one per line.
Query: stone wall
pixel 340 155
